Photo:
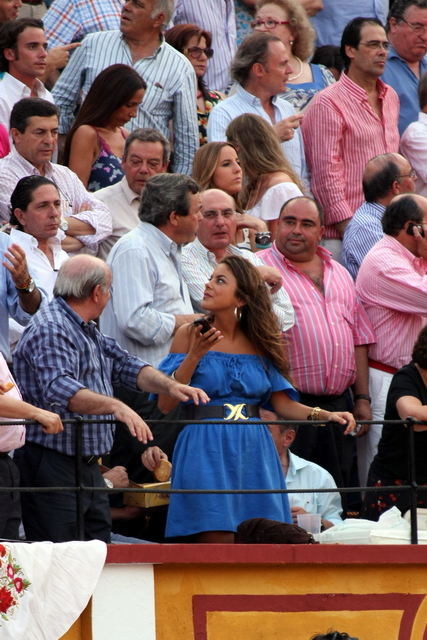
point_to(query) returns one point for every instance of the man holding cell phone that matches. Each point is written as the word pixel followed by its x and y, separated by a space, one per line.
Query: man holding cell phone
pixel 392 286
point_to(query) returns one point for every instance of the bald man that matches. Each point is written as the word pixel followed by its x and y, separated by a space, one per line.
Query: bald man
pixel 384 178
pixel 64 364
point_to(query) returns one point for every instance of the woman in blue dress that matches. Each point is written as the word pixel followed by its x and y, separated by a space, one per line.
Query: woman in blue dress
pixel 240 364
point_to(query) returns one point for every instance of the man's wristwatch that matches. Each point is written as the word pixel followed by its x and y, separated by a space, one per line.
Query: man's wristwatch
pixel 63 225
pixel 28 287
pixel 362 396
pixel 108 483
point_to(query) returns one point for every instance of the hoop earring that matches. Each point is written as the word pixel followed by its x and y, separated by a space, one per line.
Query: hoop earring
pixel 237 313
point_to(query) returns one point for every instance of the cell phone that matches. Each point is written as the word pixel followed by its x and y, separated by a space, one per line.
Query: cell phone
pixel 410 229
pixel 202 322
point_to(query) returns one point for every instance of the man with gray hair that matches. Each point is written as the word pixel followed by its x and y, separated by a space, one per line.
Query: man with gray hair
pixel 171 83
pixel 261 69
pixel 149 298
pixel 65 365
pixel 146 153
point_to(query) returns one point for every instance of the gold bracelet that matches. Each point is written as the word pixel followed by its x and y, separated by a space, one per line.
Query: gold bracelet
pixel 173 378
pixel 315 413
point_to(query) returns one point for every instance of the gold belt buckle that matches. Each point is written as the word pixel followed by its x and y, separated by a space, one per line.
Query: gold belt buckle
pixel 235 412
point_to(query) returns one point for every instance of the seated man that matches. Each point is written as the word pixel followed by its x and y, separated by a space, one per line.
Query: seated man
pixel 215 234
pixel 385 177
pixel 302 474
pixel 34 129
pixel 146 153
pixel 63 363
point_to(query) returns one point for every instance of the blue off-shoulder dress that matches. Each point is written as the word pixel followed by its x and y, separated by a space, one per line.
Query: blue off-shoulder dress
pixel 227 455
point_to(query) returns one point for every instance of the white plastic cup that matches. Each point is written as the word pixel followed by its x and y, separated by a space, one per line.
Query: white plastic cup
pixel 311 522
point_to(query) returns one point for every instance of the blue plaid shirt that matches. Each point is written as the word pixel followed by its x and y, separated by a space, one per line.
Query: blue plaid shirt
pixel 60 354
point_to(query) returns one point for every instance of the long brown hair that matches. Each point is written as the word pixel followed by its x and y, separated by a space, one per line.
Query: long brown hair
pixel 205 163
pixel 258 321
pixel 260 152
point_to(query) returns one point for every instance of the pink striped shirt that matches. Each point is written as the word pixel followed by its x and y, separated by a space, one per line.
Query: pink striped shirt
pixel 327 328
pixel 341 134
pixel 392 286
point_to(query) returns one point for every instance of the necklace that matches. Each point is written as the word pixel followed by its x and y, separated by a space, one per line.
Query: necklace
pixel 300 69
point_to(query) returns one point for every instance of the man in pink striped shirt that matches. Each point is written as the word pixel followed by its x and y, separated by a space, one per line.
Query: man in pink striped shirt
pixel 349 123
pixel 392 286
pixel 327 347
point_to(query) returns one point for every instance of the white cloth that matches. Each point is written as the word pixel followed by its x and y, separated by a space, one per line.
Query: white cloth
pixel 268 208
pixel 123 204
pixel 367 447
pixel 303 474
pixel 12 90
pixel 413 145
pixel 62 579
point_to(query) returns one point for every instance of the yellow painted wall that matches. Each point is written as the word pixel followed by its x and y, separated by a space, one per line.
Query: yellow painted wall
pixel 176 585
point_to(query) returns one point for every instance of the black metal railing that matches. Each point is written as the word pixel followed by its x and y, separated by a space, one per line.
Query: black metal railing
pixel 79 487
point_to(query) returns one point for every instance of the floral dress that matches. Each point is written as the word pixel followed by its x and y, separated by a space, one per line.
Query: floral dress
pixel 211 99
pixel 107 168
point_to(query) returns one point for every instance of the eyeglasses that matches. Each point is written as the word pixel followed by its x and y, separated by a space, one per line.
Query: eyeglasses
pixel 271 23
pixel 376 44
pixel 196 52
pixel 419 29
pixel 212 214
pixel 412 174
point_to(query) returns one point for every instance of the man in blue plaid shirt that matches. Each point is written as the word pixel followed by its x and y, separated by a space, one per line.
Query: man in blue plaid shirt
pixel 64 364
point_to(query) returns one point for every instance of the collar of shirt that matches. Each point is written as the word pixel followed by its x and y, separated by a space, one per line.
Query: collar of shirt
pixel 422 117
pixel 87 327
pixel 157 51
pixel 419 264
pixel 200 248
pixel 130 195
pixel 324 254
pixel 249 97
pixel 295 464
pixel 358 91
pixel 373 208
pixel 27 241
pixel 30 169
pixel 21 89
pixel 168 246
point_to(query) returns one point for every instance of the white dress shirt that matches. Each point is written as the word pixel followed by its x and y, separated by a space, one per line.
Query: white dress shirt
pixel 123 204
pixel 12 90
pixel 413 145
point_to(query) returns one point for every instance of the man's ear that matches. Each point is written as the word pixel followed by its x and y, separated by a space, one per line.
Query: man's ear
pixel 15 134
pixel 9 54
pixel 20 216
pixel 288 437
pixel 174 218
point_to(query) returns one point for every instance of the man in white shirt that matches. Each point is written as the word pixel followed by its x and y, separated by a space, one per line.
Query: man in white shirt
pixel 23 53
pixel 413 143
pixel 34 129
pixel 261 69
pixel 146 153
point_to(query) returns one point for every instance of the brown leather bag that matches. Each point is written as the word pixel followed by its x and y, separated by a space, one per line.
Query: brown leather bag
pixel 264 531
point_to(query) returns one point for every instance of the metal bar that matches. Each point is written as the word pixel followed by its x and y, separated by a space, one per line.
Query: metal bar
pixel 79 480
pixel 413 479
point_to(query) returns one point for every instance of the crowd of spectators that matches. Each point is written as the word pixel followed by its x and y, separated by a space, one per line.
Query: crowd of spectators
pixel 165 162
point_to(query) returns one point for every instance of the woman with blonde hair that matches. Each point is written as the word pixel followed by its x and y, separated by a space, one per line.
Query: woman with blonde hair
pixel 270 178
pixel 216 165
pixel 288 20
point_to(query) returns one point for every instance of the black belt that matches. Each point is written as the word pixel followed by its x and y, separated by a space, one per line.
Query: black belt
pixel 225 411
pixel 85 459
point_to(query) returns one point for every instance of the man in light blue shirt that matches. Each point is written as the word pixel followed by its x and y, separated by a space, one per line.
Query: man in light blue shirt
pixel 261 69
pixel 303 474
pixel 407 33
pixel 336 14
pixel 149 298
pixel 385 176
